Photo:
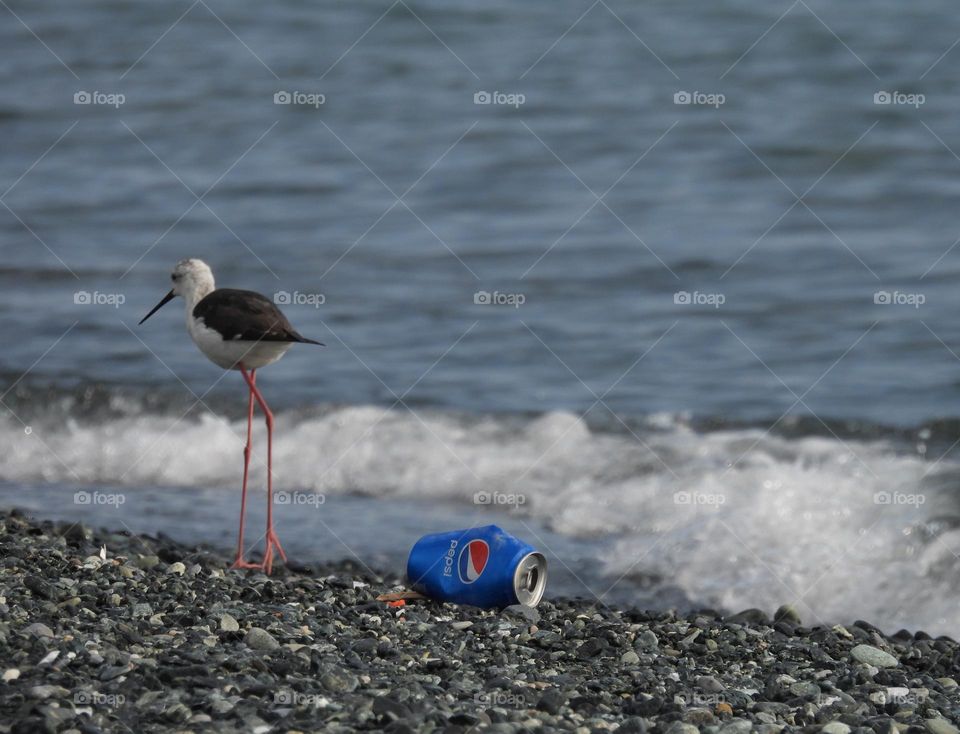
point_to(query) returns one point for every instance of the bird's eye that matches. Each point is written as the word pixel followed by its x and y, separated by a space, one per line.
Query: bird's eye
pixel 174 277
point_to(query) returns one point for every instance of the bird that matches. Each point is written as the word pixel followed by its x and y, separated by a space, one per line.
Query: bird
pixel 237 330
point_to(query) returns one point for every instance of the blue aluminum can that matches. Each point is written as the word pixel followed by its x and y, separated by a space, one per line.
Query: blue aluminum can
pixel 484 567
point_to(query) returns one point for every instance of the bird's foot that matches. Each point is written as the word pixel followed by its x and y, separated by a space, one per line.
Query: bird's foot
pixel 239 563
pixel 273 542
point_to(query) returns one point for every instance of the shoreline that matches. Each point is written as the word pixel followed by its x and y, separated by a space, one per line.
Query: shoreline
pixel 154 635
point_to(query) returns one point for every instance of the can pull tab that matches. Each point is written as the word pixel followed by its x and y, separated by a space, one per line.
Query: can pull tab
pixel 529 580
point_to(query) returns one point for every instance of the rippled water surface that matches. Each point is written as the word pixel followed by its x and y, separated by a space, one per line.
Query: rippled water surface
pixel 749 298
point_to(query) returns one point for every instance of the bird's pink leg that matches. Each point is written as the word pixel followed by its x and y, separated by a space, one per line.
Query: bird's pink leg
pixel 240 562
pixel 273 542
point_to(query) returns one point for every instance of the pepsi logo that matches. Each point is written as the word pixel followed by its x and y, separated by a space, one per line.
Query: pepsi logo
pixel 473 559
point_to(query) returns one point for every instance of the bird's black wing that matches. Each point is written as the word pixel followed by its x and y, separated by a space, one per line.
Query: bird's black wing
pixel 246 316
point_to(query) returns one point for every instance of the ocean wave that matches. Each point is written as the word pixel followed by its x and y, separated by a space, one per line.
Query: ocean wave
pixel 735 517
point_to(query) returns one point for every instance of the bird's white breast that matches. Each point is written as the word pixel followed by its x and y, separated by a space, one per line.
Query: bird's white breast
pixel 231 353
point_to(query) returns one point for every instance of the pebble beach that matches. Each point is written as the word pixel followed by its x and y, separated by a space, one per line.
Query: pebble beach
pixel 102 631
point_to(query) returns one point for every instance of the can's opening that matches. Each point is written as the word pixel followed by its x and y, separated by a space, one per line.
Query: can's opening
pixel 529 579
pixel 533 576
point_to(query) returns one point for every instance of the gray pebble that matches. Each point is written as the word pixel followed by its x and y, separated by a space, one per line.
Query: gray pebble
pixel 259 639
pixel 145 562
pixel 551 701
pixel 699 717
pixel 647 640
pixel 389 708
pixel 870 655
pixel 709 684
pixel 787 613
pixel 940 725
pixel 339 681
pixel 38 629
pixel 47 691
pixel 522 612
pixel 805 689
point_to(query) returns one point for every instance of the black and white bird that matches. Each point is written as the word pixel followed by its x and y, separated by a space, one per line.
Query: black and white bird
pixel 237 330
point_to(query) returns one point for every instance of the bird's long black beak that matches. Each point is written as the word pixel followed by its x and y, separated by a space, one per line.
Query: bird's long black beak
pixel 163 301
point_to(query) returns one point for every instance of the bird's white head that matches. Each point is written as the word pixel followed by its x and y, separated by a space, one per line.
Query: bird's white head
pixel 192 280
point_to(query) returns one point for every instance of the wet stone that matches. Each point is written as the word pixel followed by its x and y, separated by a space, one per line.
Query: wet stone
pixel 339 681
pixel 940 725
pixel 551 701
pixel 869 655
pixel 709 684
pixel 389 708
pixel 522 612
pixel 261 640
pixel 38 629
pixel 647 640
pixel 805 689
